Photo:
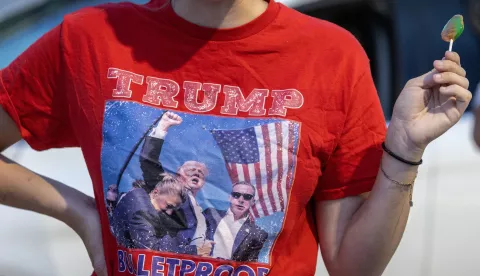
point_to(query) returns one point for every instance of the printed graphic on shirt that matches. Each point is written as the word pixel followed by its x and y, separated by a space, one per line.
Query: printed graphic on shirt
pixel 197 185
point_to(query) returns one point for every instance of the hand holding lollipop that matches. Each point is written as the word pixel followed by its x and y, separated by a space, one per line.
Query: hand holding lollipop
pixel 430 104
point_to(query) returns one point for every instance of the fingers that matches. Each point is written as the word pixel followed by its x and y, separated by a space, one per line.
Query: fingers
pixel 173 116
pixel 449 66
pixel 452 56
pixel 447 71
pixel 451 78
pixel 462 95
pixel 435 78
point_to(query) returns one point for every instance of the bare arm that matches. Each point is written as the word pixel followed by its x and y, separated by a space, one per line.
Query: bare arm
pixel 358 236
pixel 22 188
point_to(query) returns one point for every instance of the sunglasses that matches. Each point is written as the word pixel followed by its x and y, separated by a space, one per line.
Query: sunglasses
pixel 237 195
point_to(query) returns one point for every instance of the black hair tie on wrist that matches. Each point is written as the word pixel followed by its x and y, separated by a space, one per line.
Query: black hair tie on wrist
pixel 400 158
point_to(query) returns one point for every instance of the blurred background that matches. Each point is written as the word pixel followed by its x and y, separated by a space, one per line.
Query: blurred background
pixel 401 37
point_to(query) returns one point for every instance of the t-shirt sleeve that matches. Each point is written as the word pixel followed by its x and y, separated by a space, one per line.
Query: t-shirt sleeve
pixel 354 164
pixel 33 92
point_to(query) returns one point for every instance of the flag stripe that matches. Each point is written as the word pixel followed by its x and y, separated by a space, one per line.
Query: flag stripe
pixel 253 181
pixel 268 162
pixel 290 155
pixel 274 152
pixel 285 161
pixel 246 174
pixel 233 172
pixel 278 133
pixel 241 176
pixel 261 200
pixel 262 172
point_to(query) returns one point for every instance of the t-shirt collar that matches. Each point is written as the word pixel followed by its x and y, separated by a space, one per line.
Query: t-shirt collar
pixel 205 33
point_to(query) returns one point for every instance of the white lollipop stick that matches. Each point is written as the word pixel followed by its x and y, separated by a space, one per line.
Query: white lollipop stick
pixel 451 45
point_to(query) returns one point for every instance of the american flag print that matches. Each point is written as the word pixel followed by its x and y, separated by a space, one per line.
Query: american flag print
pixel 264 156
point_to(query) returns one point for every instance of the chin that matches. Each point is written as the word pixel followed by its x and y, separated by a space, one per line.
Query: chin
pixel 242 215
pixel 195 186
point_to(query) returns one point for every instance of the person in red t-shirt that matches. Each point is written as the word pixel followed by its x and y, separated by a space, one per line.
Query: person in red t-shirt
pixel 267 95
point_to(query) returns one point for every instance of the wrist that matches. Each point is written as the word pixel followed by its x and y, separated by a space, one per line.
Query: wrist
pixel 159 133
pixel 398 143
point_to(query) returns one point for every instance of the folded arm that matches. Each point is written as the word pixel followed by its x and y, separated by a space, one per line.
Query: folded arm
pixel 24 189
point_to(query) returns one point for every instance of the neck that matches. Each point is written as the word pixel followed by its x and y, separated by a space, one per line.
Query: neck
pixel 235 217
pixel 154 203
pixel 219 14
pixel 193 192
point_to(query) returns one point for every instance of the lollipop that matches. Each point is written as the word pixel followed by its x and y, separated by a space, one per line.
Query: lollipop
pixel 453 29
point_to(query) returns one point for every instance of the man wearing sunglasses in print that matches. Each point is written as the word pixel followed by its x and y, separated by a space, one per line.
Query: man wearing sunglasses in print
pixel 235 236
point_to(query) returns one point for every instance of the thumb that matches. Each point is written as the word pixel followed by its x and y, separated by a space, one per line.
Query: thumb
pixel 426 80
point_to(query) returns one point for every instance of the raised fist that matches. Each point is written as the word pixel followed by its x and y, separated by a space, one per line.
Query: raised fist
pixel 168 119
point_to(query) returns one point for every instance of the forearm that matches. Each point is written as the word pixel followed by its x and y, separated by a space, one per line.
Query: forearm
pixel 150 164
pixel 21 188
pixel 376 228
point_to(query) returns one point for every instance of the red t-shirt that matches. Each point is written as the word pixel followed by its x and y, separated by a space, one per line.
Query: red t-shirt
pixel 285 105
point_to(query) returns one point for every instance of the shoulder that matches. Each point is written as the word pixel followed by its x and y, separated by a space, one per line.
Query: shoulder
pixel 135 195
pixel 130 202
pixel 317 35
pixel 329 34
pixel 214 213
pixel 86 16
pixel 108 9
pixel 259 232
pixel 101 19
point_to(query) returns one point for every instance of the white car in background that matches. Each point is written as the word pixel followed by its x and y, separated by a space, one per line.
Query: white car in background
pixel 441 236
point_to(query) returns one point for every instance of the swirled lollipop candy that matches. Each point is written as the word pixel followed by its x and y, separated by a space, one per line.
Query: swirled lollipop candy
pixel 453 29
